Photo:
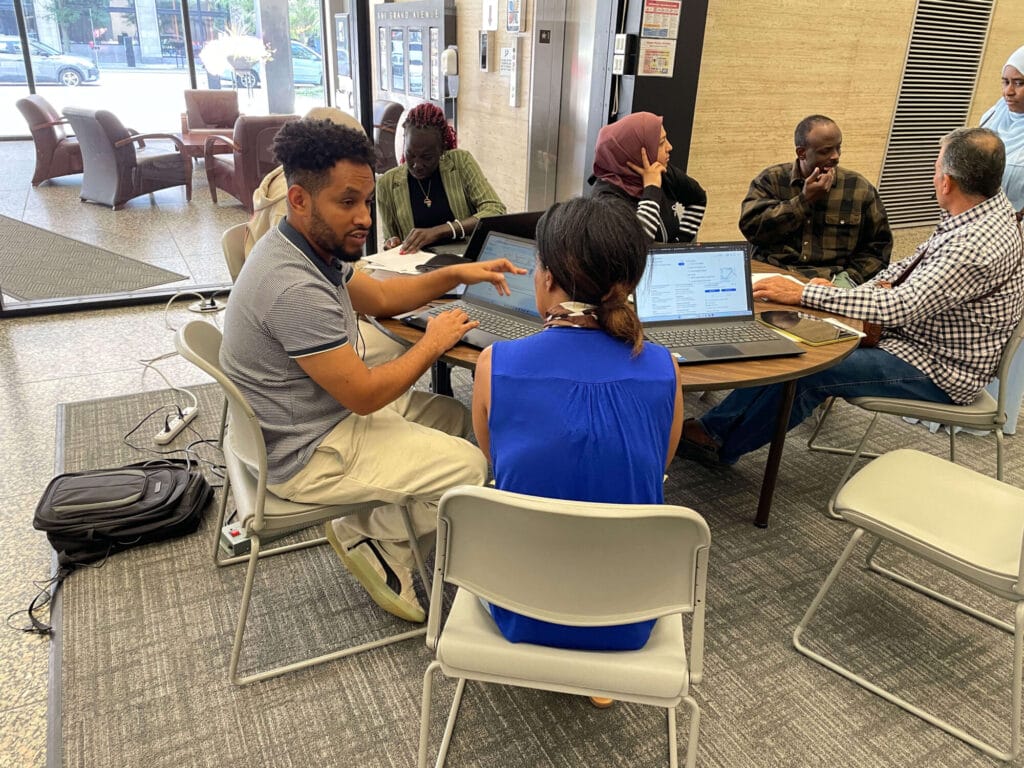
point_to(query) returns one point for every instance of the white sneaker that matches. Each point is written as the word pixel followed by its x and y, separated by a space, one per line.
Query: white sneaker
pixel 388 583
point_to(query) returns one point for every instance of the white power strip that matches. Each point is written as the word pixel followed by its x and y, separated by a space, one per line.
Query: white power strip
pixel 175 425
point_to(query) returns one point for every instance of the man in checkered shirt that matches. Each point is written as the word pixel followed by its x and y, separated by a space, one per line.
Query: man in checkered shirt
pixel 945 322
pixel 815 217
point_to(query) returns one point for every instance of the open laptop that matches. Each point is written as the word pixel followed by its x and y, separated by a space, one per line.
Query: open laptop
pixel 697 301
pixel 501 317
pixel 517 224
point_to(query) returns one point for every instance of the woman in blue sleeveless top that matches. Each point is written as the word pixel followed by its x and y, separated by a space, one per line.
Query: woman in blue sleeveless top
pixel 586 409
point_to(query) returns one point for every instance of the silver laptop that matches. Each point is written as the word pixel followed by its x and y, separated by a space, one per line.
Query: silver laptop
pixel 697 301
pixel 501 317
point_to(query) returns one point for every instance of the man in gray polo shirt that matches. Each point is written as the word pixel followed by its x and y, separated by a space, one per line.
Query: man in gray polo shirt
pixel 336 430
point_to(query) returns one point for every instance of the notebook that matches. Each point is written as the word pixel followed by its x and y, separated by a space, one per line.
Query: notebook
pixel 697 301
pixel 501 317
pixel 517 224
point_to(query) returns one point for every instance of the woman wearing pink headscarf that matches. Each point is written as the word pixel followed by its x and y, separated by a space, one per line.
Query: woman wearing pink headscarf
pixel 631 162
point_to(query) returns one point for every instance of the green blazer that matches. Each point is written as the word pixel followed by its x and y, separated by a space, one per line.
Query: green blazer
pixel 469 193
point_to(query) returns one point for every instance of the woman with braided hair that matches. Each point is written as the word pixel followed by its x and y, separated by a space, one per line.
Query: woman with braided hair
pixel 438 192
pixel 584 410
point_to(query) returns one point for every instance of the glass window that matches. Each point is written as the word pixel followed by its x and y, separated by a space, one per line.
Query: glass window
pixel 397 59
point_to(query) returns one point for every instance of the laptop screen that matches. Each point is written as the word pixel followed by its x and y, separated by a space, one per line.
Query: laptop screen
pixel 695 283
pixel 522 253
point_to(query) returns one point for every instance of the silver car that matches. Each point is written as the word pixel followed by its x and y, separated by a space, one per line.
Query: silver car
pixel 48 64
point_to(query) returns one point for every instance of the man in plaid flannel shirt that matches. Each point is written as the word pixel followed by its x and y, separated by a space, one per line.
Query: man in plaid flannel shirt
pixel 815 217
pixel 945 322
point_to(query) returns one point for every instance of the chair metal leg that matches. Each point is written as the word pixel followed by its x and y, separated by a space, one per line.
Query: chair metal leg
pixel 811 444
pixel 830 510
pixel 673 747
pixel 222 510
pixel 952 730
pixel 449 727
pixel 223 424
pixel 254 556
pixel 428 688
pixel 414 544
pixel 691 744
pixel 899 578
pixel 999 452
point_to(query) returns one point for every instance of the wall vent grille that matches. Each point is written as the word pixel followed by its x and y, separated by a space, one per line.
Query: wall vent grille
pixel 939 76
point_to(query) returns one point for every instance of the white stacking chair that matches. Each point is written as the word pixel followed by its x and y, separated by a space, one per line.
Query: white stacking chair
pixel 575 563
pixel 232 242
pixel 964 522
pixel 261 513
pixel 985 413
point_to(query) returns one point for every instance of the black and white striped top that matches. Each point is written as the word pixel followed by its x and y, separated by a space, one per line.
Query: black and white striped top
pixel 671 213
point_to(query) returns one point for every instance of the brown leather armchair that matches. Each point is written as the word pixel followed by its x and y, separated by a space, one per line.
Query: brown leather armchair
pixel 251 158
pixel 57 152
pixel 208 113
pixel 386 115
pixel 119 165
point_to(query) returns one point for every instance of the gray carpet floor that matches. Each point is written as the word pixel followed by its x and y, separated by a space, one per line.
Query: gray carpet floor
pixel 38 264
pixel 146 640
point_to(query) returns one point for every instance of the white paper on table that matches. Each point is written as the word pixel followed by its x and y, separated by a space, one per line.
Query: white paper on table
pixel 393 260
pixel 759 276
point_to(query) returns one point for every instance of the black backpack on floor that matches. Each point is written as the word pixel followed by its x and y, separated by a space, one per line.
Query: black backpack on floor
pixel 89 515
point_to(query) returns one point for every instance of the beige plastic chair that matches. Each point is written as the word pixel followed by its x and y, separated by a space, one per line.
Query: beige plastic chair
pixel 985 413
pixel 262 514
pixel 232 242
pixel 962 521
pixel 537 557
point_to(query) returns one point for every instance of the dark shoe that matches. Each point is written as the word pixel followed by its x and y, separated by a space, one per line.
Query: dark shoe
pixel 388 583
pixel 697 445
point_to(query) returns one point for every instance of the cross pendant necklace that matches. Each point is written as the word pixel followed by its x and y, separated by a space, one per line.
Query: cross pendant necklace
pixel 426 192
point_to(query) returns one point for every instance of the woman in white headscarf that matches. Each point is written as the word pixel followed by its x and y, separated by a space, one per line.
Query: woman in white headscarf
pixel 1006 118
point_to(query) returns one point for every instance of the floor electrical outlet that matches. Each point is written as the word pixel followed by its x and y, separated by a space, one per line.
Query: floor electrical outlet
pixel 174 425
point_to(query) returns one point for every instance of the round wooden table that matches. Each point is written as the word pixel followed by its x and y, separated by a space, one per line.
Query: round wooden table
pixel 696 378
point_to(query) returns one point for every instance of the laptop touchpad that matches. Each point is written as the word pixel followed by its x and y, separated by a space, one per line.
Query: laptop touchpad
pixel 719 350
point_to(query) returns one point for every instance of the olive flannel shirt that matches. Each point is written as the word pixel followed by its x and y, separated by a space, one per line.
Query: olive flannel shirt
pixel 846 230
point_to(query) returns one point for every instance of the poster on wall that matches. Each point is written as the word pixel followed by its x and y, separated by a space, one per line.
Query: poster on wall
pixel 657 58
pixel 415 59
pixel 435 63
pixel 489 23
pixel 661 19
pixel 397 59
pixel 382 56
pixel 514 16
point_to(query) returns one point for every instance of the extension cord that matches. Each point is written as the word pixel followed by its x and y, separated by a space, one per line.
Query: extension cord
pixel 207 305
pixel 173 427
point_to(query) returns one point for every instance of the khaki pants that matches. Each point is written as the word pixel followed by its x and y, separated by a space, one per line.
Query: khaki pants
pixel 405 454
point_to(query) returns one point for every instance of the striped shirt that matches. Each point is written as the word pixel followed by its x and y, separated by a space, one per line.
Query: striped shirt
pixel 954 312
pixel 846 230
pixel 287 304
pixel 671 213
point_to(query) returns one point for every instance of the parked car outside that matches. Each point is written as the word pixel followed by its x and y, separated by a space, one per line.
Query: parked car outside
pixel 307 69
pixel 48 64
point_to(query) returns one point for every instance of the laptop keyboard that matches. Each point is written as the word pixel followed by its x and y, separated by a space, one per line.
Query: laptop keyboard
pixel 733 333
pixel 492 322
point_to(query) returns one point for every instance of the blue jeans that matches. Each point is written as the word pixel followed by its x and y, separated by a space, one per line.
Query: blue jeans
pixel 745 420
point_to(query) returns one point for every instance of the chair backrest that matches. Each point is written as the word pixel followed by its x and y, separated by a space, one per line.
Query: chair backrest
pixel 211 109
pixel 1003 371
pixel 386 115
pixel 43 122
pixel 254 156
pixel 97 131
pixel 232 242
pixel 199 342
pixel 569 562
